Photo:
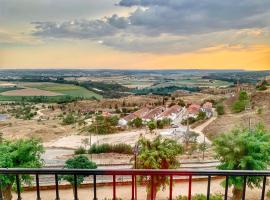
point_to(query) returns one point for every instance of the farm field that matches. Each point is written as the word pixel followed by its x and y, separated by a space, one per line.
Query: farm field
pixel 66 89
pixel 52 91
pixel 29 92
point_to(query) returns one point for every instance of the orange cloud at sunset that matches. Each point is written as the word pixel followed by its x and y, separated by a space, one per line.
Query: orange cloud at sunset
pixel 220 57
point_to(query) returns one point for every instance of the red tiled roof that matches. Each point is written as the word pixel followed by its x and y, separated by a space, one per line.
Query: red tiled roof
pixel 139 113
pixel 171 110
pixel 207 105
pixel 194 108
pixel 154 112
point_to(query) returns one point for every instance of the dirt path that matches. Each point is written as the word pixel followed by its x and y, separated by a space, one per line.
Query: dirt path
pixel 199 130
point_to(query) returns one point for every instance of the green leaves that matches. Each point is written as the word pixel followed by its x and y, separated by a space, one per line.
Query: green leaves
pixel 23 153
pixel 158 154
pixel 242 149
pixel 78 162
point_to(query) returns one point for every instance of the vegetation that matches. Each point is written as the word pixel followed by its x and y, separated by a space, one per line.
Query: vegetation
pixel 200 197
pixel 152 125
pixel 40 99
pixel 137 122
pixel 241 103
pixel 69 119
pixel 157 154
pixel 161 123
pixel 110 148
pixel 164 90
pixel 23 111
pixel 23 153
pixel 243 149
pixel 104 125
pixel 80 150
pixel 262 86
pixel 68 89
pixel 78 162
pixel 5 89
pixel 220 109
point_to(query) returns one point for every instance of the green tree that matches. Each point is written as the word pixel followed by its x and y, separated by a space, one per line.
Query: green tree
pixel 243 149
pixel 78 162
pixel 157 154
pixel 201 116
pixel 138 123
pixel 22 153
pixel 243 95
pixel 152 125
pixel 220 109
pixel 69 119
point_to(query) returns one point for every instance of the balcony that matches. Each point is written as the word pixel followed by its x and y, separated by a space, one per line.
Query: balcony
pixel 129 178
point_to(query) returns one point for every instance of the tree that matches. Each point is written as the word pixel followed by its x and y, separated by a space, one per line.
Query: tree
pixel 243 149
pixel 78 162
pixel 22 153
pixel 138 123
pixel 220 109
pixel 189 138
pixel 151 125
pixel 69 119
pixel 157 154
pixel 243 95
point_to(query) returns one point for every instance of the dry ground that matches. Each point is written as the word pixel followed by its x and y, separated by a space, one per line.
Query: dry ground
pixel 230 120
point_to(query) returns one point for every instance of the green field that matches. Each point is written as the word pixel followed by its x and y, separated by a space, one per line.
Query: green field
pixel 193 82
pixel 67 89
pixel 5 89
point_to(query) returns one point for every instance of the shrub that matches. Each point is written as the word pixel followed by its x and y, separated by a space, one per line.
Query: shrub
pixel 200 197
pixel 69 119
pixel 220 109
pixel 239 106
pixel 80 150
pixel 108 148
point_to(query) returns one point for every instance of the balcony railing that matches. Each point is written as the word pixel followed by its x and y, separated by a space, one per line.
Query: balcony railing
pixel 190 174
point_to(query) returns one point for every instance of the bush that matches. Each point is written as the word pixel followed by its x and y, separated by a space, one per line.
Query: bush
pixel 220 109
pixel 108 148
pixel 200 197
pixel 80 150
pixel 239 106
pixel 69 119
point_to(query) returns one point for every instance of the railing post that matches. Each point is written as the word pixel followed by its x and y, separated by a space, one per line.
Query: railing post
pixel 171 187
pixel 226 188
pixel 95 187
pixel 152 187
pixel 18 187
pixel 244 188
pixel 263 188
pixel 37 187
pixel 1 192
pixel 57 197
pixel 208 187
pixel 114 188
pixel 189 186
pixel 75 188
pixel 133 188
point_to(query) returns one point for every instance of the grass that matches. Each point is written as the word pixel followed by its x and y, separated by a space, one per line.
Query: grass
pixel 68 89
pixel 5 89
pixel 38 99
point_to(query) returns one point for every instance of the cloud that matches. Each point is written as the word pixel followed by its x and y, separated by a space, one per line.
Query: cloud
pixel 8 38
pixel 171 25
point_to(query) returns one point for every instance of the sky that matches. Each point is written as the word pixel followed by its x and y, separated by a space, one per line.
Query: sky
pixel 135 34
